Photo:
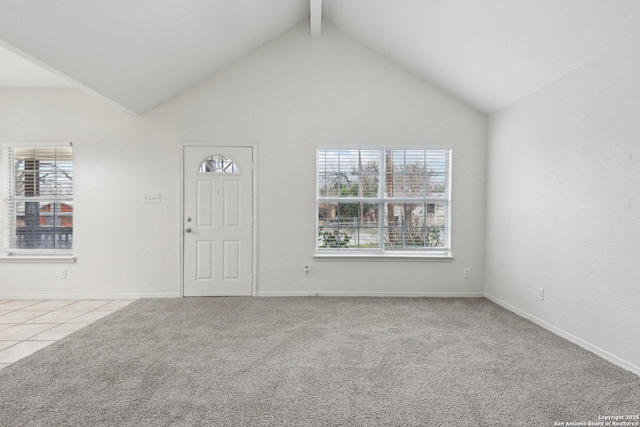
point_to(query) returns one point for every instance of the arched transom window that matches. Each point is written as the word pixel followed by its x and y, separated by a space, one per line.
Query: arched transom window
pixel 218 164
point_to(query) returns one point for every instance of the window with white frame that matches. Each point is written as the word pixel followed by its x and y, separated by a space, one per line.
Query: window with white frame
pixel 383 201
pixel 218 164
pixel 38 199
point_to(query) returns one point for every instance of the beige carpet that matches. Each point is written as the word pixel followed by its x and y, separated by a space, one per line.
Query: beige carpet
pixel 313 362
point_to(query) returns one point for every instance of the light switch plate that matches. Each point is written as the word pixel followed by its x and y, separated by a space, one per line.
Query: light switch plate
pixel 152 198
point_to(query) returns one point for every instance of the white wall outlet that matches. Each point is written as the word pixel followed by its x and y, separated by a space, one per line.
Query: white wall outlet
pixel 306 271
pixel 152 198
pixel 466 272
pixel 541 293
pixel 63 273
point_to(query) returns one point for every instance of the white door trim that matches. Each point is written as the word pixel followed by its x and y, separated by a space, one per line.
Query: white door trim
pixel 216 144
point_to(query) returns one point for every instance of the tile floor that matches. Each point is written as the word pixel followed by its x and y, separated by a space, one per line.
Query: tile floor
pixel 27 326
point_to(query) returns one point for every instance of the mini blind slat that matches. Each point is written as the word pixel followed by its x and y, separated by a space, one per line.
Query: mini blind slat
pixel 9 204
pixel 348 173
pixel 416 173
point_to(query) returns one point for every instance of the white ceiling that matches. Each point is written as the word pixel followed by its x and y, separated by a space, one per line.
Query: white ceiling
pixel 16 71
pixel 489 53
pixel 139 53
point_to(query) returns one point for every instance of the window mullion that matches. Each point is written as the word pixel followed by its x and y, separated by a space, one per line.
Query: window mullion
pixel 381 194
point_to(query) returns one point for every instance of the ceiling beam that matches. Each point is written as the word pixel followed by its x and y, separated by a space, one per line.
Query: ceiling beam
pixel 315 17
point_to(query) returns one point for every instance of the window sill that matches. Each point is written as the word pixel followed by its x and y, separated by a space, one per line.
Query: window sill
pixel 333 256
pixel 39 258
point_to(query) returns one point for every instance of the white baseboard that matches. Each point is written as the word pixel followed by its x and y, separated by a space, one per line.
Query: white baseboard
pixel 566 335
pixel 89 296
pixel 370 294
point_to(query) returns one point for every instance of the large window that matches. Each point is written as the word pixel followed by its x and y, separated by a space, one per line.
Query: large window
pixel 383 201
pixel 38 199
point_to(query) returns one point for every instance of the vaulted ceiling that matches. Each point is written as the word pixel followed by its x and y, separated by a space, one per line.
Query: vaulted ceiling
pixel 139 53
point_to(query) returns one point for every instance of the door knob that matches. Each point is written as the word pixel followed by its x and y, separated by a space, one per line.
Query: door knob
pixel 188 230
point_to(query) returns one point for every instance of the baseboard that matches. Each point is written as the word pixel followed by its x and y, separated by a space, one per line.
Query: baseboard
pixel 89 296
pixel 370 294
pixel 566 335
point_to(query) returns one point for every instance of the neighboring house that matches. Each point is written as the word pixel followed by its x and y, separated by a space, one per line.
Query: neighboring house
pixel 54 229
pixel 50 218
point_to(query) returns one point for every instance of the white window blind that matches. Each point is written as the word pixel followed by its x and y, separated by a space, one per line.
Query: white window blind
pixel 38 199
pixel 386 200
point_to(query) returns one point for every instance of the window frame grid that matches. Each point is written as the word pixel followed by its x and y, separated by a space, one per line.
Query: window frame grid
pixel 11 200
pixel 381 200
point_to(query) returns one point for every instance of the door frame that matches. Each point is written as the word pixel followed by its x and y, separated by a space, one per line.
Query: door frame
pixel 216 145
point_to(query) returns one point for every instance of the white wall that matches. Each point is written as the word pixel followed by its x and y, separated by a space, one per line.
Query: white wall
pixel 563 206
pixel 293 94
pixel 123 246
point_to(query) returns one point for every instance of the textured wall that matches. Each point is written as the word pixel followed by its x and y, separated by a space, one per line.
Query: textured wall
pixel 288 97
pixel 563 204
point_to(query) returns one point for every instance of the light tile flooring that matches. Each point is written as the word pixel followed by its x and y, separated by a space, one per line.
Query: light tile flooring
pixel 27 326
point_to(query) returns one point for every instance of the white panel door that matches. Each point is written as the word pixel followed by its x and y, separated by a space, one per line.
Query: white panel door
pixel 217 229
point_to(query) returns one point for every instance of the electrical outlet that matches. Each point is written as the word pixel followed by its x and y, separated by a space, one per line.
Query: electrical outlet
pixel 541 293
pixel 63 274
pixel 466 272
pixel 152 198
pixel 306 271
